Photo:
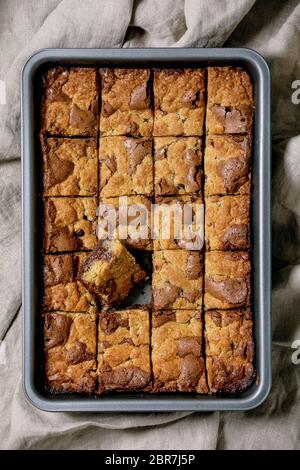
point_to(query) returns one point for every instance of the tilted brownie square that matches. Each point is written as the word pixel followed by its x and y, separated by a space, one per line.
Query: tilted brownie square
pixel 227 280
pixel 229 350
pixel 177 167
pixel 126 167
pixel 227 165
pixel 69 223
pixel 110 272
pixel 227 223
pixel 179 102
pixel 126 107
pixel 62 290
pixel 70 167
pixel 177 354
pixel 70 352
pixel 124 351
pixel 229 101
pixel 70 102
pixel 177 279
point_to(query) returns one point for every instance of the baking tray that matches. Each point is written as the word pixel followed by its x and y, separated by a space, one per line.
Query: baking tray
pixel 166 58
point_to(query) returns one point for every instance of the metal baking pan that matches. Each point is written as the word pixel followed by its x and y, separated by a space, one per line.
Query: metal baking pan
pixel 32 371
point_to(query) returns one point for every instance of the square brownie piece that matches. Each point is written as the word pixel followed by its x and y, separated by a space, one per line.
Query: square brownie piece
pixel 178 223
pixel 177 279
pixel 229 101
pixel 62 290
pixel 126 107
pixel 124 351
pixel 70 167
pixel 179 102
pixel 227 223
pixel 177 353
pixel 227 165
pixel 229 350
pixel 69 223
pixel 70 352
pixel 126 218
pixel 177 167
pixel 70 101
pixel 227 280
pixel 126 167
pixel 110 272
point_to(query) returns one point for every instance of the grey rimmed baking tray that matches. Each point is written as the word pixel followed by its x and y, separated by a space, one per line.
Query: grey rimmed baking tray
pixel 174 58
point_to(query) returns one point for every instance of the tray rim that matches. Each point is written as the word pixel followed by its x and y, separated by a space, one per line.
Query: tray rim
pixel 149 403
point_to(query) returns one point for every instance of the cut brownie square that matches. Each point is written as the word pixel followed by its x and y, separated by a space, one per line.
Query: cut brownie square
pixel 126 107
pixel 179 97
pixel 227 165
pixel 70 102
pixel 178 223
pixel 227 279
pixel 126 218
pixel 69 223
pixel 124 351
pixel 62 290
pixel 110 272
pixel 229 101
pixel 229 350
pixel 70 167
pixel 177 166
pixel 126 167
pixel 227 223
pixel 177 356
pixel 70 352
pixel 177 279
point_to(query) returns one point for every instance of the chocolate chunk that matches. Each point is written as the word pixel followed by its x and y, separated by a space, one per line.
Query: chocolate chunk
pixel 160 154
pixel 78 353
pixel 190 372
pixel 189 97
pixel 127 341
pixel 137 151
pixel 87 383
pixel 165 296
pixel 233 119
pixel 189 345
pixel 58 269
pixel 234 172
pixel 107 109
pixel 54 82
pixel 50 211
pixel 110 162
pixel 110 322
pixel 57 171
pixel 125 377
pixel 193 266
pixel 163 187
pixel 138 97
pixel 82 119
pixel 108 79
pixel 160 318
pixel 234 291
pixel 79 233
pixel 215 316
pixel 191 296
pixel 57 329
pixel 236 236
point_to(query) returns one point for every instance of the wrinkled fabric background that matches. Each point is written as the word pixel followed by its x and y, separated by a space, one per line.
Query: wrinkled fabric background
pixel 273 29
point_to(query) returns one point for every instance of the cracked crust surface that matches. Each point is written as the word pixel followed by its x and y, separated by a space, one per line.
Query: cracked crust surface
pixel 227 279
pixel 229 350
pixel 177 279
pixel 62 290
pixel 177 166
pixel 177 355
pixel 126 167
pixel 227 165
pixel 126 107
pixel 124 350
pixel 69 223
pixel 110 272
pixel 227 223
pixel 179 102
pixel 70 167
pixel 70 352
pixel 70 104
pixel 229 101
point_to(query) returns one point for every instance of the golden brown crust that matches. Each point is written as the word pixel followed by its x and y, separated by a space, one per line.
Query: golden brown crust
pixel 229 350
pixel 179 97
pixel 62 290
pixel 70 102
pixel 70 352
pixel 110 272
pixel 229 101
pixel 227 165
pixel 227 279
pixel 177 166
pixel 227 223
pixel 126 167
pixel 177 356
pixel 69 224
pixel 124 350
pixel 70 167
pixel 126 107
pixel 177 279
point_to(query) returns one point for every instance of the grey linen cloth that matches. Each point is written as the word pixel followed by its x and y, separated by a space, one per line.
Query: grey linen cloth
pixel 273 29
